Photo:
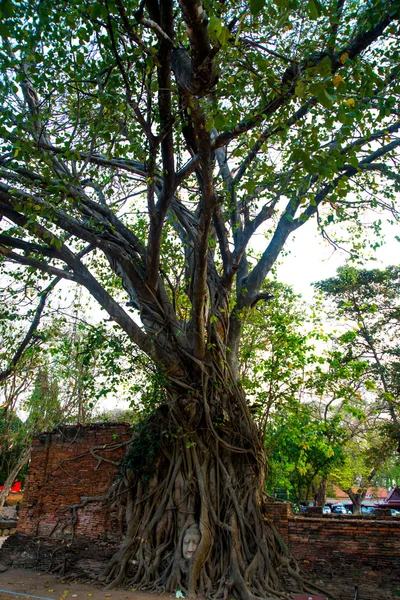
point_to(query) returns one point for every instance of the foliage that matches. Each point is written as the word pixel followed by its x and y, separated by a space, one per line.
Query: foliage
pixel 370 302
pixel 10 452
pixel 320 411
pixel 277 347
pixel 368 458
pixel 143 451
pixel 305 393
pixel 302 449
pixel 389 476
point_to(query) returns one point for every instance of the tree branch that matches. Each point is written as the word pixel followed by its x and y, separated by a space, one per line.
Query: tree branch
pixel 158 214
pixel 360 43
pixel 36 264
pixel 31 331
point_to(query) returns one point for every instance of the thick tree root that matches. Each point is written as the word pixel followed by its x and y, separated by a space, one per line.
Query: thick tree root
pixel 198 476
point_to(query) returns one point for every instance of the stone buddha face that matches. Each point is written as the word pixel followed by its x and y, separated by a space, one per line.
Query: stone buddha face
pixel 191 540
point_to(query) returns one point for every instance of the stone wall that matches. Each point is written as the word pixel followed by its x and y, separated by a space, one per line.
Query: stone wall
pixel 70 466
pixel 344 551
pixel 7 527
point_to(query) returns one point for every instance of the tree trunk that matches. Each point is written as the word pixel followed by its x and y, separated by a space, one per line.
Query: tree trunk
pixel 199 463
pixel 13 475
pixel 321 493
pixel 357 500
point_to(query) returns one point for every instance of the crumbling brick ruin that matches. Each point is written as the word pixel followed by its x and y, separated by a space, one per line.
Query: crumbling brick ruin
pixel 69 466
pixel 65 522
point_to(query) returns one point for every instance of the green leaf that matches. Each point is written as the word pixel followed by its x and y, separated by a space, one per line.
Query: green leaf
pixel 6 8
pixel 325 66
pixel 323 96
pixel 96 11
pixel 353 161
pixel 300 89
pixel 214 26
pixel 256 6
pixel 314 9
pixel 219 121
pixel 4 31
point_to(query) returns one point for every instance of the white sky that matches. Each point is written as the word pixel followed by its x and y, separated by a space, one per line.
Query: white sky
pixel 313 259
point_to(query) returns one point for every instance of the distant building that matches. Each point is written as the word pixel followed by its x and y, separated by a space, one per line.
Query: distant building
pixel 373 495
pixel 392 500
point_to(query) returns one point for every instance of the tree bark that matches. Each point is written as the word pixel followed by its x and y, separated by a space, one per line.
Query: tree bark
pixel 357 499
pixel 321 493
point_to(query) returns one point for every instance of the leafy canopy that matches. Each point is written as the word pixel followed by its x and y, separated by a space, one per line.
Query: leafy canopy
pixel 144 145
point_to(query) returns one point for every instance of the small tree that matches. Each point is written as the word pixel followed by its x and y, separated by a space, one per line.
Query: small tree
pixel 43 411
pixel 365 459
pixel 304 449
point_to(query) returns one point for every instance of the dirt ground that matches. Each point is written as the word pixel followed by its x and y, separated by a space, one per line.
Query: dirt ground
pixel 49 587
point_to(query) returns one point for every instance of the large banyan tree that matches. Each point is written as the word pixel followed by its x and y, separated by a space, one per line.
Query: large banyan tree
pixel 144 146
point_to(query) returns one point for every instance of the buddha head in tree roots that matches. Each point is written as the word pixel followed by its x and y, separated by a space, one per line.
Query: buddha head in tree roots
pixel 191 540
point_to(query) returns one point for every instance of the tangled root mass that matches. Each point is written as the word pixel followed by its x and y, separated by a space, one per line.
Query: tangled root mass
pixel 199 460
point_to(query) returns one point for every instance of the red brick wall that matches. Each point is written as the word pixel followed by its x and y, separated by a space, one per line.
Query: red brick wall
pixel 279 513
pixel 344 551
pixel 367 549
pixel 63 472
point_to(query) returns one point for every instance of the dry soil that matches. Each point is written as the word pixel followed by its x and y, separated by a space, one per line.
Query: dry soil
pixel 14 583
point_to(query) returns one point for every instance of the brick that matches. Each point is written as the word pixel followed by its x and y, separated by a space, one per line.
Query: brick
pixel 62 472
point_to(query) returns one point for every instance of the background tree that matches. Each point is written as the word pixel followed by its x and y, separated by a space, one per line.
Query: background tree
pixel 370 301
pixel 276 349
pixel 10 453
pixel 389 476
pixel 43 411
pixel 144 144
pixel 322 421
pixel 303 450
pixel 366 458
